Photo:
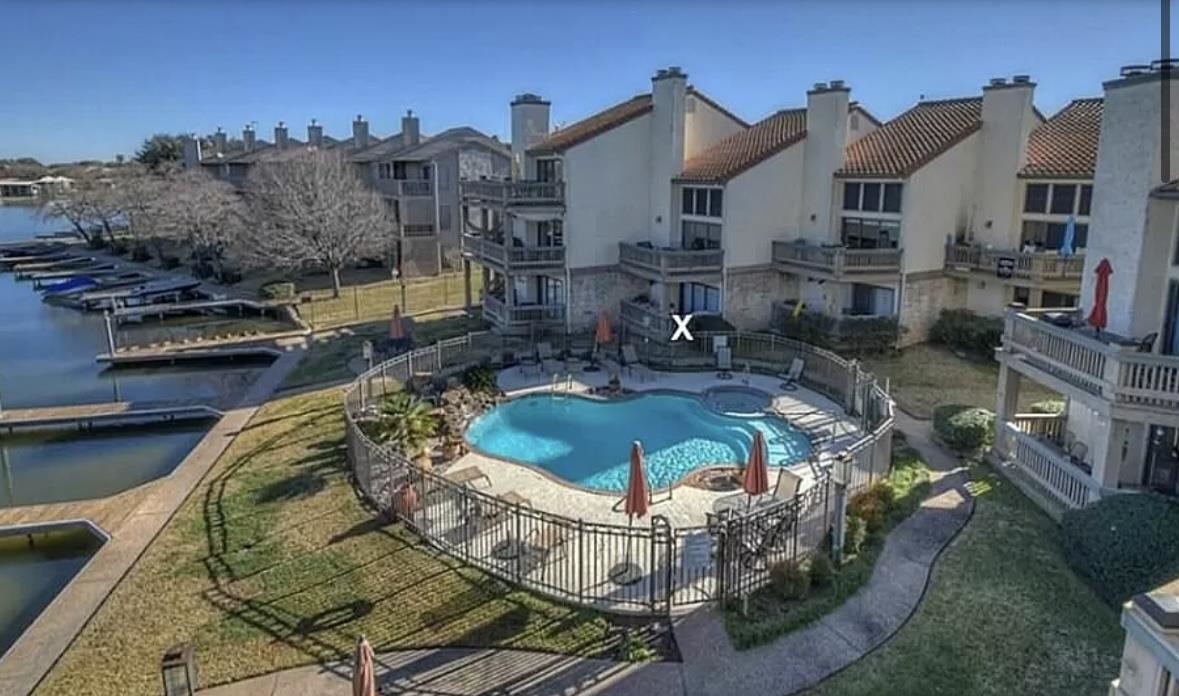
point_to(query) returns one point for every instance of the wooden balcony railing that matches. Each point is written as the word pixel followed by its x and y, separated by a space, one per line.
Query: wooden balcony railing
pixel 515 192
pixel 670 262
pixel 646 319
pixel 513 257
pixel 837 260
pixel 1033 266
pixel 1045 425
pixel 1048 467
pixel 1117 373
pixel 498 312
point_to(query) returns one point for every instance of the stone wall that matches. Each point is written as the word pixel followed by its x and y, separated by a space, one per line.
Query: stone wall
pixel 923 299
pixel 749 294
pixel 593 289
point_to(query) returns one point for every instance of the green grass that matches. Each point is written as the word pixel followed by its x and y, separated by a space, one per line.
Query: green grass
pixel 925 376
pixel 1003 615
pixel 770 617
pixel 374 301
pixel 272 563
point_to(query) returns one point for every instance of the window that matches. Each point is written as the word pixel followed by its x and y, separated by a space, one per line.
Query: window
pixel 385 171
pixel 399 171
pixel 851 195
pixel 425 172
pixel 892 198
pixel 703 202
pixel 872 196
pixel 1057 299
pixel 700 235
pixel 548 170
pixel 870 203
pixel 445 178
pixel 1035 199
pixel 1064 197
pixel 444 217
pixel 698 298
pixel 867 233
pixel 1049 236
pixel 1021 295
pixel 550 233
pixel 549 291
pixel 1086 200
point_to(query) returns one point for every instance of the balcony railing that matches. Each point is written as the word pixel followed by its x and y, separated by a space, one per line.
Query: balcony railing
pixel 498 312
pixel 416 229
pixel 1049 467
pixel 646 319
pixel 1115 372
pixel 415 187
pixel 667 263
pixel 515 192
pixel 513 257
pixel 1034 265
pixel 837 260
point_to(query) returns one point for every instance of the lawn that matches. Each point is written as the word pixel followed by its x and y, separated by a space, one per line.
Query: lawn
pixel 373 300
pixel 328 355
pixel 1003 615
pixel 272 562
pixel 925 376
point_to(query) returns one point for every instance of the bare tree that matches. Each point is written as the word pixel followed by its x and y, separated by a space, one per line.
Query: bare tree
pixel 142 197
pixel 85 205
pixel 312 210
pixel 201 214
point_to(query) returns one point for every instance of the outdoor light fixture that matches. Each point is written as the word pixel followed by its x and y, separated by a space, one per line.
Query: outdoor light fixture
pixel 179 670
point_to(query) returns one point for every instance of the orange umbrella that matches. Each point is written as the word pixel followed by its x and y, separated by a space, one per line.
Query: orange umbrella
pixel 637 495
pixel 603 334
pixel 396 326
pixel 363 676
pixel 757 477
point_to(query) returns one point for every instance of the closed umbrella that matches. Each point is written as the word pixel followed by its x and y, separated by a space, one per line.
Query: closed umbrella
pixel 634 505
pixel 603 333
pixel 756 480
pixel 396 326
pixel 1070 234
pixel 1099 317
pixel 363 677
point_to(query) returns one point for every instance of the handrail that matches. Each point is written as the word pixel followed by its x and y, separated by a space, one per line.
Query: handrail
pixel 514 256
pixel 521 192
pixel 663 260
pixel 1032 265
pixel 1051 469
pixel 836 259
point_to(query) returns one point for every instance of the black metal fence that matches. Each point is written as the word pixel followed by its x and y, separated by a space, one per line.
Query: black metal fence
pixel 646 567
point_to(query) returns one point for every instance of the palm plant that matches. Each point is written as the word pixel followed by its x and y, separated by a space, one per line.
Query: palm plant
pixel 406 422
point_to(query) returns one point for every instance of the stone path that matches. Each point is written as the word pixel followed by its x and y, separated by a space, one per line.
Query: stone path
pixel 710 664
pixel 38 648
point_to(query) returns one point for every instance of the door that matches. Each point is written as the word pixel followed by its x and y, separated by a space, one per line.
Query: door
pixel 1171 321
pixel 1162 469
pixel 863 300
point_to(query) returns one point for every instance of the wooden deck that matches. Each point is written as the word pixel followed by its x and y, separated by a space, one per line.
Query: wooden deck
pixel 105 414
pixel 156 356
pixel 106 513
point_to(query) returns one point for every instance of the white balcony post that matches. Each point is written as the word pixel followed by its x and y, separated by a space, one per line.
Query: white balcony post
pixel 1107 450
pixel 1006 403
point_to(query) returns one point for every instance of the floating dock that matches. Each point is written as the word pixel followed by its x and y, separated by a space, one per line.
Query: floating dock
pixel 156 356
pixel 114 414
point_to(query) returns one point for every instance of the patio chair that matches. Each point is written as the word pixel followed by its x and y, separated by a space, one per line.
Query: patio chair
pixel 724 362
pixel 790 377
pixel 630 360
pixel 548 541
pixel 1077 452
pixel 1146 345
pixel 545 355
pixel 787 487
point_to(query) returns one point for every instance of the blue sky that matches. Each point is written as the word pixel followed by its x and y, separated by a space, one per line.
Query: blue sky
pixel 89 80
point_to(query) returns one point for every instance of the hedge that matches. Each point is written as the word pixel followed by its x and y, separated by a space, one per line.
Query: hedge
pixel 868 335
pixel 1124 544
pixel 964 428
pixel 964 330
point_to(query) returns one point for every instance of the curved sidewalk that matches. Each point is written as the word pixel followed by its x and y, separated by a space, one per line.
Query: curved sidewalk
pixel 710 664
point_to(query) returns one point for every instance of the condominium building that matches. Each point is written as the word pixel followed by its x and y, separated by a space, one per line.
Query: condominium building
pixel 1150 656
pixel 1121 383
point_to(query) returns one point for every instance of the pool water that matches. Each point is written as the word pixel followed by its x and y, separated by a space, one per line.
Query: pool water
pixel 587 442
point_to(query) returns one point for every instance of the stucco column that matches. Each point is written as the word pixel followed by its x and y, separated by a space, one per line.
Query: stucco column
pixel 1107 450
pixel 467 283
pixel 1036 297
pixel 1006 404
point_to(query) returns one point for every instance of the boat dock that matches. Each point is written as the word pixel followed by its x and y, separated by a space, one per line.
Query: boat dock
pixel 112 414
pixel 25 270
pixel 99 269
pixel 157 356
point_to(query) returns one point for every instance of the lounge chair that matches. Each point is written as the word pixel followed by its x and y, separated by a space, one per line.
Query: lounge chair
pixel 790 377
pixel 547 541
pixel 787 486
pixel 724 362
pixel 630 359
pixel 545 355
pixel 467 476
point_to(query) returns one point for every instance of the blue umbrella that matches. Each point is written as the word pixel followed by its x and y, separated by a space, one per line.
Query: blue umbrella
pixel 1070 233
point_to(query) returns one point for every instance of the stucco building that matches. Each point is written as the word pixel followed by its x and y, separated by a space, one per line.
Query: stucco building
pixel 1150 658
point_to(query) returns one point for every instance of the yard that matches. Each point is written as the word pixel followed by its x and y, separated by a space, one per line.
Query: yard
pixel 927 375
pixel 272 562
pixel 1003 615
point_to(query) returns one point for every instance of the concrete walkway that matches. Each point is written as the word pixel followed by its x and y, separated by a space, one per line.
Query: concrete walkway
pixel 38 648
pixel 710 664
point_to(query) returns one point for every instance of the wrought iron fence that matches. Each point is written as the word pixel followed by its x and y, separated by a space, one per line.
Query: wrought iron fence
pixel 649 567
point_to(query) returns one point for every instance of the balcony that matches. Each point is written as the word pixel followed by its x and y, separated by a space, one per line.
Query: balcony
pixel 418 229
pixel 519 259
pixel 647 320
pixel 836 262
pixel 1043 267
pixel 514 193
pixel 1030 444
pixel 415 187
pixel 663 264
pixel 1108 371
pixel 502 315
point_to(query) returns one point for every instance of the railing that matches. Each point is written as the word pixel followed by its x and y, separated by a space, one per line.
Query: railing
pixel 1117 373
pixel 514 257
pixel 497 311
pixel 572 560
pixel 1049 426
pixel 837 260
pixel 669 262
pixel 415 187
pixel 515 192
pixel 1049 468
pixel 1034 266
pixel 646 319
pixel 415 229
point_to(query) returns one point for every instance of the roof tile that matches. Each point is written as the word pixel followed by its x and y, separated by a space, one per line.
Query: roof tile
pixel 906 143
pixel 595 125
pixel 1065 146
pixel 744 149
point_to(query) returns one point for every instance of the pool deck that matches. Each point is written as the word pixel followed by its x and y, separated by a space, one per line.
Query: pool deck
pixel 683 506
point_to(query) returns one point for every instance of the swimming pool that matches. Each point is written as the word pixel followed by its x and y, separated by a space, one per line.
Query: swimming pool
pixel 587 441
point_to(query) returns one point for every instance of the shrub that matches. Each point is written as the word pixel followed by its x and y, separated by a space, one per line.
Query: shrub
pixel 1050 406
pixel 480 379
pixel 139 253
pixel 822 570
pixel 966 331
pixel 860 335
pixel 633 648
pixel 169 262
pixel 964 428
pixel 1124 544
pixel 856 533
pixel 789 579
pixel 278 291
pixel 868 508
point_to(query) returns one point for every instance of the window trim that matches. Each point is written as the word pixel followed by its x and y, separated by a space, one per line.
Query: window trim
pixel 882 185
pixel 695 191
pixel 1047 215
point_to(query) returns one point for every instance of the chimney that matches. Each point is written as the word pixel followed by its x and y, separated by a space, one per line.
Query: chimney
pixel 669 93
pixel 826 139
pixel 192 152
pixel 360 132
pixel 1008 117
pixel 280 135
pixel 530 125
pixel 410 133
pixel 248 139
pixel 314 134
pixel 219 141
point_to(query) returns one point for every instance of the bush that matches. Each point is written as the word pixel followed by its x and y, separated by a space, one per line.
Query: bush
pixel 1049 406
pixel 966 331
pixel 868 508
pixel 278 291
pixel 790 580
pixel 964 428
pixel 480 379
pixel 169 262
pixel 1124 544
pixel 140 254
pixel 860 335
pixel 822 570
pixel 857 534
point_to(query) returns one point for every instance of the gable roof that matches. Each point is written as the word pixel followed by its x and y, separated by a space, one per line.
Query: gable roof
pixel 449 139
pixel 595 125
pixel 1065 146
pixel 692 91
pixel 859 108
pixel 908 142
pixel 744 149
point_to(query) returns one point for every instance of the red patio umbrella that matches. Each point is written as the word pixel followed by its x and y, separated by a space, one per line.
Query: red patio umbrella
pixel 363 674
pixel 603 333
pixel 1098 317
pixel 756 480
pixel 634 505
pixel 396 326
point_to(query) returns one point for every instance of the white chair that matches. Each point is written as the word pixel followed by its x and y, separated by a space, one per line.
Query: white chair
pixel 724 362
pixel 630 359
pixel 544 355
pixel 787 486
pixel 790 377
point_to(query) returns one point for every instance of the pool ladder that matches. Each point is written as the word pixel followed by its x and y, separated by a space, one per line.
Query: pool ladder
pixel 559 385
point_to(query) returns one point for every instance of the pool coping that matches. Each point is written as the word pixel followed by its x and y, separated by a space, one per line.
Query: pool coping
pixel 626 397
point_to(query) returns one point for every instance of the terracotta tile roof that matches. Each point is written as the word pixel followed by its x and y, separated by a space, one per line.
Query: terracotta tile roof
pixel 597 124
pixel 1065 146
pixel 909 141
pixel 740 151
